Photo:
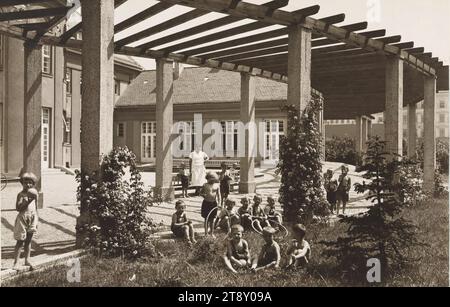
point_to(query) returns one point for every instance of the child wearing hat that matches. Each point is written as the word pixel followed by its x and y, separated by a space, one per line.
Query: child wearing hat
pixel 211 199
pixel 26 223
pixel 237 253
pixel 270 255
pixel 300 251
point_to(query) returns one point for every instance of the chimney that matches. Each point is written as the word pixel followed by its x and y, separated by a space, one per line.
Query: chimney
pixel 178 70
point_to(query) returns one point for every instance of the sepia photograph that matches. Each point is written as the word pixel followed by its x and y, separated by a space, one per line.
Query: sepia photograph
pixel 224 149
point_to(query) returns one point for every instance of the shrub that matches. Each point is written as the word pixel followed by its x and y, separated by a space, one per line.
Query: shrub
pixel 382 232
pixel 410 183
pixel 117 205
pixel 300 163
pixel 342 150
pixel 442 155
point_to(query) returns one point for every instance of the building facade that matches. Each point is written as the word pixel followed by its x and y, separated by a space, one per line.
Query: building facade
pixel 61 104
pixel 209 94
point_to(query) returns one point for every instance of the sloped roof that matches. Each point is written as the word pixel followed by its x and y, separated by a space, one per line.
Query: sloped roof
pixel 199 85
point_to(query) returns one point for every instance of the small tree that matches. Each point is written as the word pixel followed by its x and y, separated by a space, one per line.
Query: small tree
pixel 117 205
pixel 382 232
pixel 300 164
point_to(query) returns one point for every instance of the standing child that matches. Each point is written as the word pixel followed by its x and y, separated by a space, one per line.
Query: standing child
pixel 270 255
pixel 331 189
pixel 343 190
pixel 237 253
pixel 259 218
pixel 299 252
pixel 245 214
pixel 274 218
pixel 27 220
pixel 225 182
pixel 181 226
pixel 228 216
pixel 184 177
pixel 211 199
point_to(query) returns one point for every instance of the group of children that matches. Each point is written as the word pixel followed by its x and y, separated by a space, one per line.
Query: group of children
pixel 338 190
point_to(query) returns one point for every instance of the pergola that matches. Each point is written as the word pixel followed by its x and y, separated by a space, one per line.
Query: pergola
pixel 358 72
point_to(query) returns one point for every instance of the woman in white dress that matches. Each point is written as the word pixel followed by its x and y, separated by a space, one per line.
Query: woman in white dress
pixel 198 170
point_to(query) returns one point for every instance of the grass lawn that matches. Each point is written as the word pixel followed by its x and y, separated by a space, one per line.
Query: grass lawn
pixel 176 265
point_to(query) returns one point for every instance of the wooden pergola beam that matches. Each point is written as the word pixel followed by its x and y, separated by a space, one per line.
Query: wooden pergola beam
pixel 30 14
pixel 256 46
pixel 141 16
pixel 203 27
pixel 6 3
pixel 234 31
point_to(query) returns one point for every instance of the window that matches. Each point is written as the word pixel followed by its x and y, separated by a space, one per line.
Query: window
pixel 67 129
pixel 405 120
pixel 121 130
pixel 68 81
pixel 442 133
pixel 442 118
pixel 117 87
pixel 419 118
pixel 47 59
pixel 148 136
pixel 442 104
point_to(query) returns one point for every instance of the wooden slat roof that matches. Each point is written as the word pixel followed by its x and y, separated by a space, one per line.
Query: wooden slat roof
pixel 348 63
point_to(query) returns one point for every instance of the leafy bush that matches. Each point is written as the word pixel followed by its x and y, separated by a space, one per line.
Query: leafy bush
pixel 116 204
pixel 342 150
pixel 442 155
pixel 410 183
pixel 300 163
pixel 382 232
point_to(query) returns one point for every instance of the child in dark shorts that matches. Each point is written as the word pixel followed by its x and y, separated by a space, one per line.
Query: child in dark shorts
pixel 225 182
pixel 184 178
pixel 211 198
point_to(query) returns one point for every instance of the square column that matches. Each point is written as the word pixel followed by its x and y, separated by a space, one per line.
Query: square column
pixel 394 106
pixel 247 183
pixel 299 67
pixel 412 130
pixel 33 114
pixel 365 133
pixel 97 90
pixel 429 138
pixel 359 143
pixel 164 123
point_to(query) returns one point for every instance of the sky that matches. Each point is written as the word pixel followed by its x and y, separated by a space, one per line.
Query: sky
pixel 427 23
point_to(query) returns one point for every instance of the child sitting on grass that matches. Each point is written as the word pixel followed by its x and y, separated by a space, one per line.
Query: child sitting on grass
pixel 245 214
pixel 270 255
pixel 273 216
pixel 181 226
pixel 237 253
pixel 299 252
pixel 259 217
pixel 211 199
pixel 228 216
pixel 27 219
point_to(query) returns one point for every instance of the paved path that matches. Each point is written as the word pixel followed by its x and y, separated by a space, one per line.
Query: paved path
pixel 58 219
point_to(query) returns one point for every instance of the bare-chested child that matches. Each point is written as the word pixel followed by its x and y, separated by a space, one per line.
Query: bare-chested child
pixel 245 214
pixel 228 216
pixel 237 253
pixel 273 216
pixel 270 255
pixel 211 200
pixel 259 218
pixel 299 251
pixel 181 226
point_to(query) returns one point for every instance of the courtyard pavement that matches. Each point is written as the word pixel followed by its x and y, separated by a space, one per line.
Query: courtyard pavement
pixel 56 234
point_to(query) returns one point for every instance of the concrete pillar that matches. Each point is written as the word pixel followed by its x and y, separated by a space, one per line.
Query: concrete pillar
pixel 429 133
pixel 76 119
pixel 359 140
pixel 394 106
pixel 164 123
pixel 412 130
pixel 98 90
pixel 247 183
pixel 365 133
pixel 369 128
pixel 299 67
pixel 33 114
